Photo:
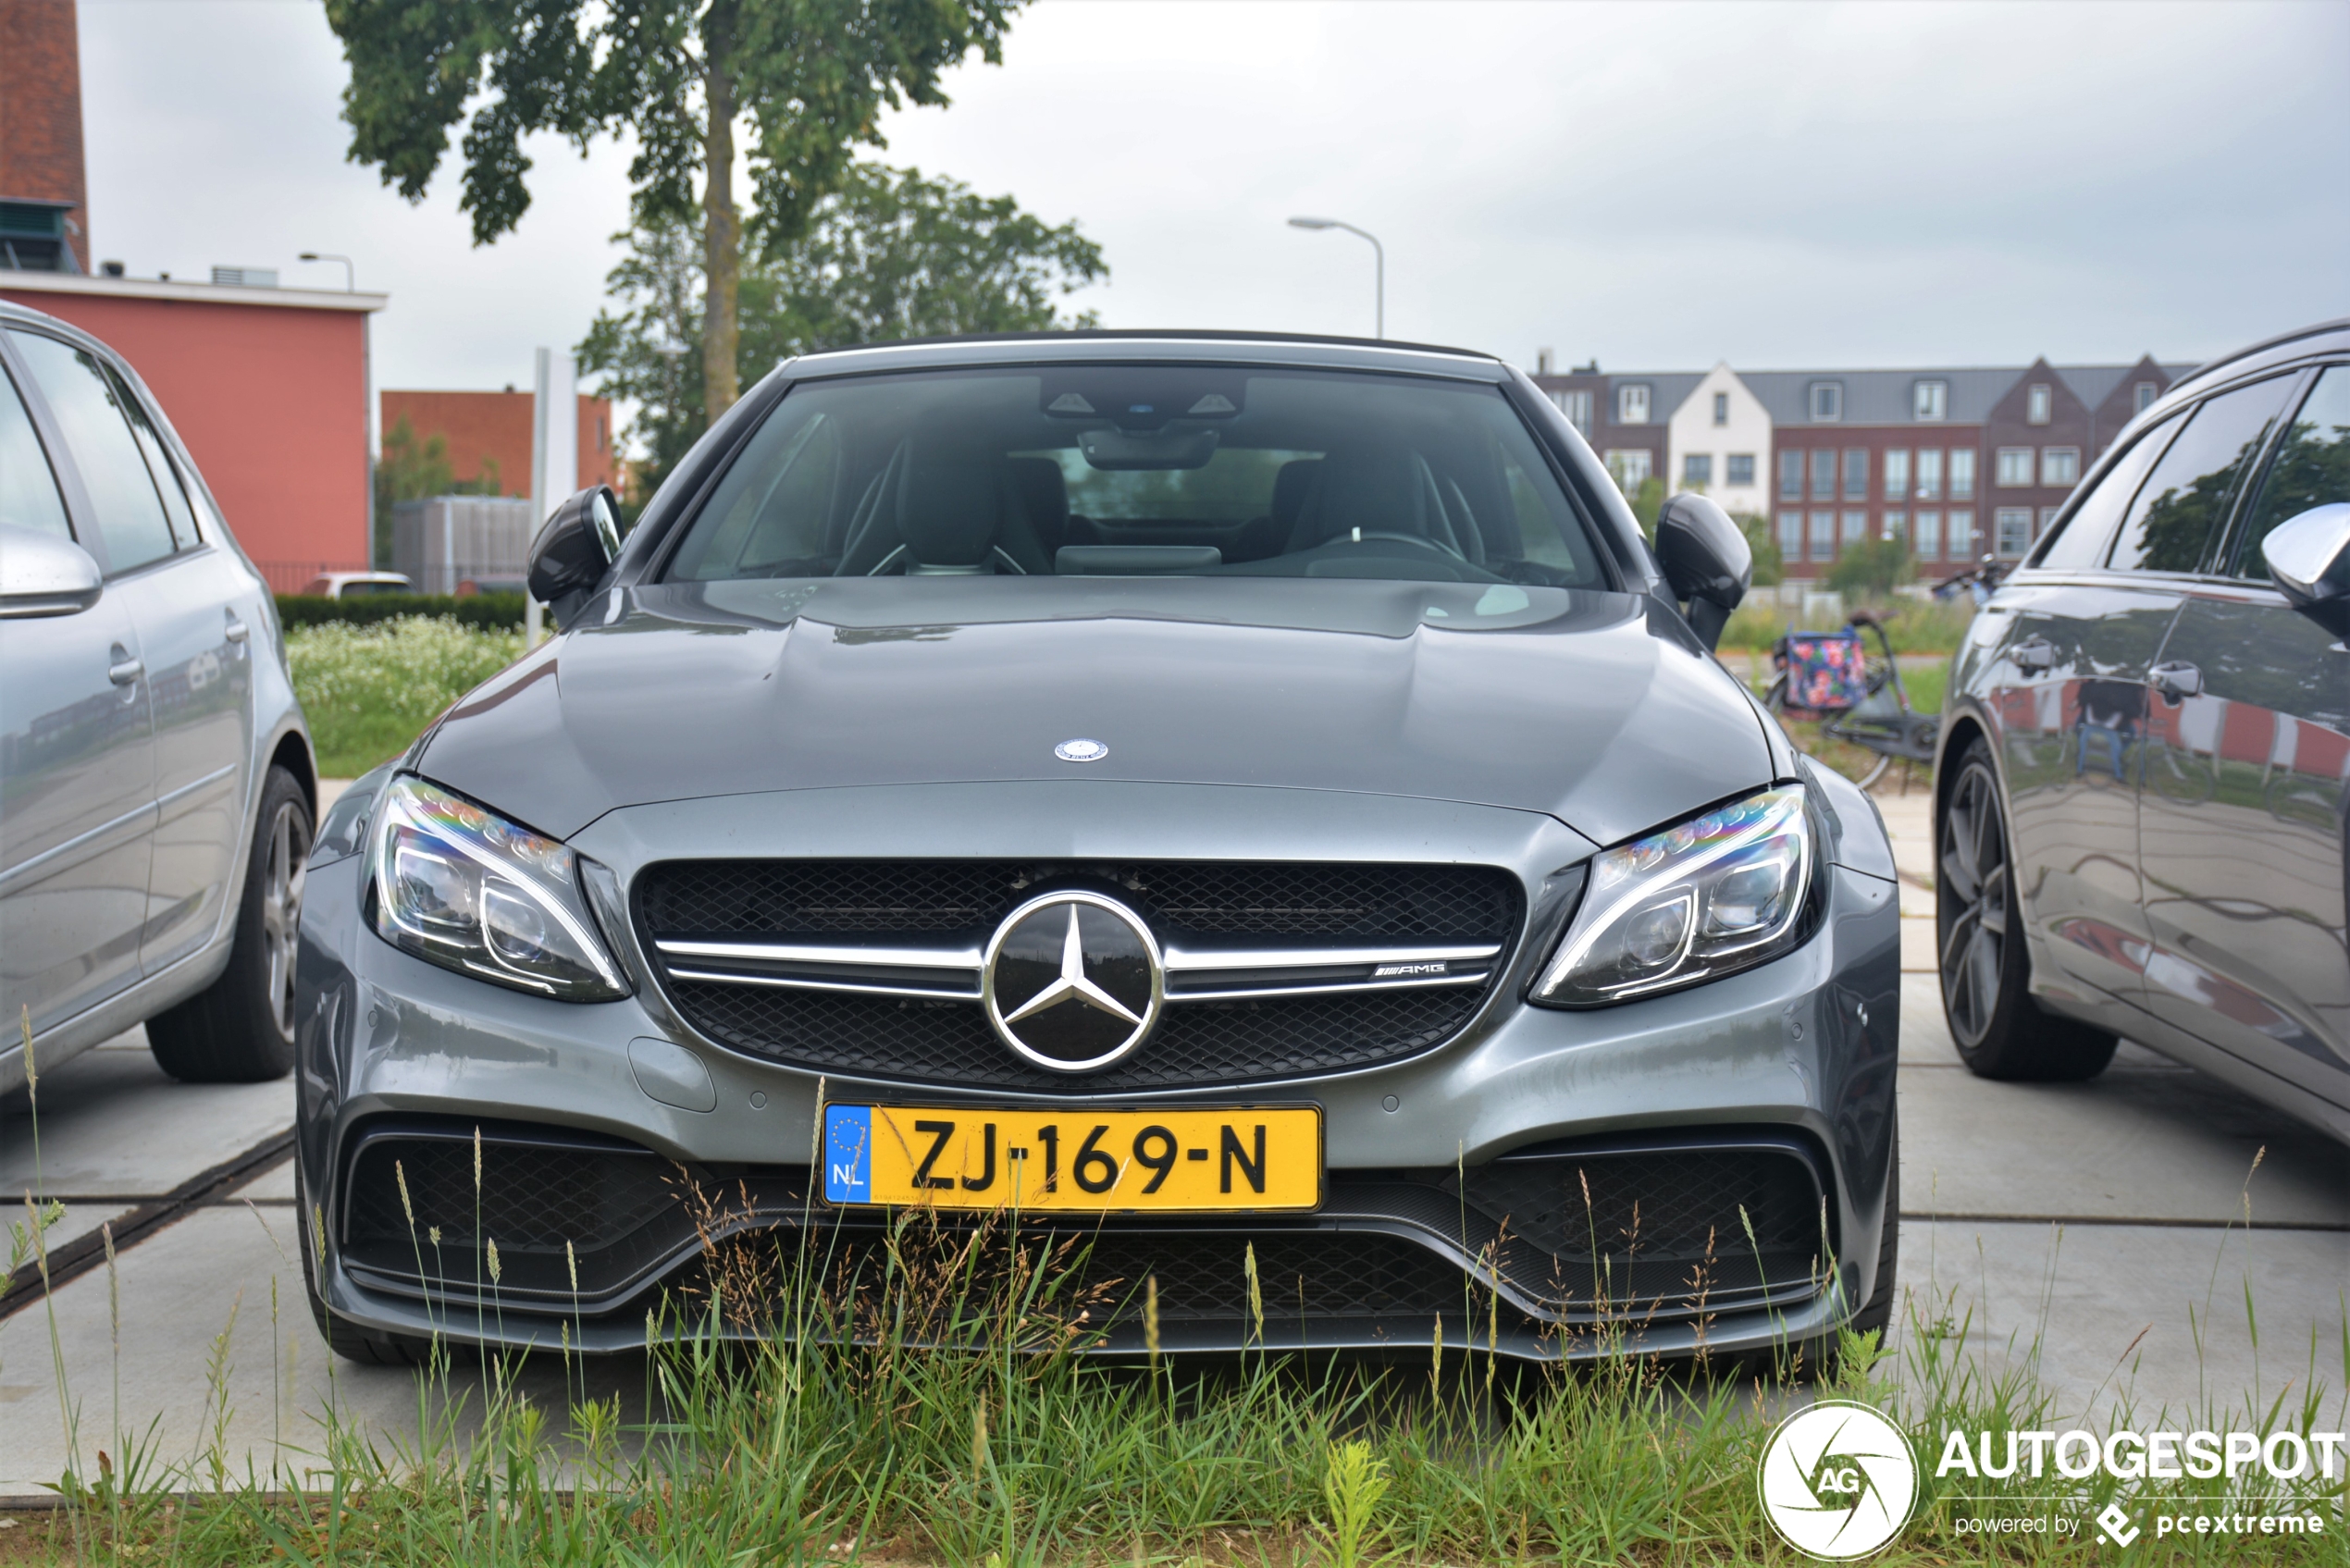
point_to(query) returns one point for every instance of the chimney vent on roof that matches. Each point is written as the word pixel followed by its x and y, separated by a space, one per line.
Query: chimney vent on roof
pixel 1542 361
pixel 246 277
pixel 111 269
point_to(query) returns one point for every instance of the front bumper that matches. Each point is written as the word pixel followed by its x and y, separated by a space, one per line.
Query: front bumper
pixel 1791 1062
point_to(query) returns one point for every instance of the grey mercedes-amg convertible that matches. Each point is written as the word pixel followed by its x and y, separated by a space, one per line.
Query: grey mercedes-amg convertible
pixel 1255 804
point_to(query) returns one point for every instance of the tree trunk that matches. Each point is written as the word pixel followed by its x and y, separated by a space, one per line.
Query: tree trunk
pixel 721 226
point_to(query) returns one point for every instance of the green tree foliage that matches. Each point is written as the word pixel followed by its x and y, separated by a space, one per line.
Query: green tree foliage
pixel 1647 500
pixel 1769 569
pixel 891 254
pixel 1872 568
pixel 810 78
pixel 413 469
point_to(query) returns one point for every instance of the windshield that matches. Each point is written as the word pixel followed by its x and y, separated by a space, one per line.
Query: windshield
pixel 1122 471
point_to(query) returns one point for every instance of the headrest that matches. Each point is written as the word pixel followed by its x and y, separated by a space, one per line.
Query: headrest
pixel 1377 489
pixel 1041 490
pixel 947 510
pixel 1290 487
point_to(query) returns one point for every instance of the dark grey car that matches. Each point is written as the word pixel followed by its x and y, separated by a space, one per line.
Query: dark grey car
pixel 156 790
pixel 2143 770
pixel 1255 803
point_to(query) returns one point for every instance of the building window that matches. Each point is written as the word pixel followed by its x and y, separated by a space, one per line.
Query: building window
pixel 2039 404
pixel 1929 476
pixel 1962 535
pixel 1720 408
pixel 1856 473
pixel 1928 540
pixel 1791 535
pixel 1823 536
pixel 1697 470
pixel 1576 406
pixel 1824 475
pixel 1632 466
pixel 2015 468
pixel 1930 402
pixel 1632 403
pixel 1790 475
pixel 1897 475
pixel 1897 525
pixel 1961 475
pixel 1828 401
pixel 2059 467
pixel 1856 527
pixel 1739 466
pixel 2014 525
pixel 2141 397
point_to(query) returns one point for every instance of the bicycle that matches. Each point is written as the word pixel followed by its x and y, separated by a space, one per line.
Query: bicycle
pixel 1856 695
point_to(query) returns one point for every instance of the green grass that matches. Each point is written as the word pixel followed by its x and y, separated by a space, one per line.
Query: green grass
pixel 368 691
pixel 931 1442
pixel 1915 626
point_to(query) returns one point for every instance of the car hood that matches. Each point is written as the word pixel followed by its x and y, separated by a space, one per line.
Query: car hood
pixel 1597 708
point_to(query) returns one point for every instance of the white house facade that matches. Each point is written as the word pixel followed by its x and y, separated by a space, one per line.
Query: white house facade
pixel 1719 441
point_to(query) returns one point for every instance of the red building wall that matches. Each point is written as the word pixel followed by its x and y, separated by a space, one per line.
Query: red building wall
pixel 271 399
pixel 497 425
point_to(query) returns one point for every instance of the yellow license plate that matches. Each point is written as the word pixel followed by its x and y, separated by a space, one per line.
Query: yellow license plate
pixel 1090 1161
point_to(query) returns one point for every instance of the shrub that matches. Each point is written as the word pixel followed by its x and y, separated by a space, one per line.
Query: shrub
pixel 368 690
pixel 494 610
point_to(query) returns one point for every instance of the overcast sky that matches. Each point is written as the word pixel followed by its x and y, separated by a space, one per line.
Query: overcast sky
pixel 1658 186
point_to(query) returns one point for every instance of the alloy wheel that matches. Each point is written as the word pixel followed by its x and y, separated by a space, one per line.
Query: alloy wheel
pixel 1972 903
pixel 282 877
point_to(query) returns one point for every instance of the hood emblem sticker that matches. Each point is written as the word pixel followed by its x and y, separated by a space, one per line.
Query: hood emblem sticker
pixel 1081 750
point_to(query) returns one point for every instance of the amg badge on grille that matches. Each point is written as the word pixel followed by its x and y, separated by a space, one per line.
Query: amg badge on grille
pixel 1073 980
pixel 1081 750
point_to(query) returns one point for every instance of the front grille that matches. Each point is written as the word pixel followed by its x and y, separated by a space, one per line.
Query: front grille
pixel 1196 1044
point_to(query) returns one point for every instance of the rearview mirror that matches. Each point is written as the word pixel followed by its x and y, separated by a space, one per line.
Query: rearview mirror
pixel 44 575
pixel 2308 556
pixel 574 549
pixel 1707 562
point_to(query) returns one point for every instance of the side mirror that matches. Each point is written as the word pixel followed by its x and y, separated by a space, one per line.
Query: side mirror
pixel 44 575
pixel 2308 556
pixel 1707 561
pixel 575 548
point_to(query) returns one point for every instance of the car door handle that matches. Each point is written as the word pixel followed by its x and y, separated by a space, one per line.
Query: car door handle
pixel 237 630
pixel 2033 653
pixel 123 672
pixel 2176 681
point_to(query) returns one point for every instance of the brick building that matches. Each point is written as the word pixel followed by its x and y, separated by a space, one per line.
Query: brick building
pixel 494 429
pixel 1960 461
pixel 44 207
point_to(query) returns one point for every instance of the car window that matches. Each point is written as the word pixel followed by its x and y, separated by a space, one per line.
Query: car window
pixel 2081 542
pixel 28 497
pixel 175 495
pixel 2177 516
pixel 2311 468
pixel 1196 470
pixel 88 406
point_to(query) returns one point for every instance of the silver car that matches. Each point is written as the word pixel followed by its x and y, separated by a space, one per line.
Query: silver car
pixel 1255 806
pixel 157 788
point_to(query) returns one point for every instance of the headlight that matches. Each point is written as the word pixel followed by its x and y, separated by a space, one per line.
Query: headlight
pixel 469 891
pixel 1717 894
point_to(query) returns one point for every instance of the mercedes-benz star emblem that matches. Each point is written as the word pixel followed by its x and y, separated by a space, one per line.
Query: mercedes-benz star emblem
pixel 1073 981
pixel 1081 750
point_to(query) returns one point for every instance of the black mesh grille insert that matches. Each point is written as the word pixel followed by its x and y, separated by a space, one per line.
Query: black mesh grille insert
pixel 1663 1205
pixel 1196 1044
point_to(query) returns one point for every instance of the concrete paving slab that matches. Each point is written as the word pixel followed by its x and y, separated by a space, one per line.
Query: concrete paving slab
pixel 271 1187
pixel 113 1124
pixel 2138 1142
pixel 1918 947
pixel 2126 1321
pixel 1908 823
pixel 196 1296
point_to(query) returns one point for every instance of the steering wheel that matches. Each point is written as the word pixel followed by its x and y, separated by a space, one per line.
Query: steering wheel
pixel 1433 546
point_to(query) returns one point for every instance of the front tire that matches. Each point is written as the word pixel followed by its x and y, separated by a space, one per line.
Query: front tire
pixel 241 1028
pixel 2000 1031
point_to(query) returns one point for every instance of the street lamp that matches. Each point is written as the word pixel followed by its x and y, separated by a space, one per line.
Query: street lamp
pixel 1378 250
pixel 350 275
